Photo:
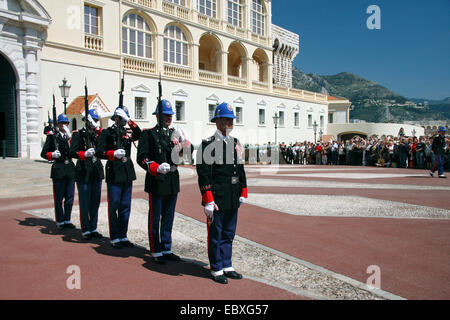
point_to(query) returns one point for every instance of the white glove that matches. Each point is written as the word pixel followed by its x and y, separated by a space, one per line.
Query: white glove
pixel 67 131
pixel 121 113
pixel 242 200
pixel 56 154
pixel 89 153
pixel 179 134
pixel 209 210
pixel 164 168
pixel 119 154
pixel 94 124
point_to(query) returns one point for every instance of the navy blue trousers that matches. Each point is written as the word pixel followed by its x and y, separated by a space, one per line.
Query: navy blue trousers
pixel 160 222
pixel 438 164
pixel 63 191
pixel 119 207
pixel 89 196
pixel 221 234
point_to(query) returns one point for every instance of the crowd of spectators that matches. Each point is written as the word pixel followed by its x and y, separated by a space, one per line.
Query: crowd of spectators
pixel 394 152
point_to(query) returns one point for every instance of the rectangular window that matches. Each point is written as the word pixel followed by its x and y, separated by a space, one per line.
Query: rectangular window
pixel 207 7
pixel 140 108
pixel 322 122
pixel 262 117
pixel 91 20
pixel 296 119
pixel 239 115
pixel 310 120
pixel 281 120
pixel 180 111
pixel 211 110
pixel 235 13
pixel 132 42
pixel 124 40
pixel 330 118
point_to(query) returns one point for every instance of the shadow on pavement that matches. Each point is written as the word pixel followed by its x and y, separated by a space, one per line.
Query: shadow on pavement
pixel 184 267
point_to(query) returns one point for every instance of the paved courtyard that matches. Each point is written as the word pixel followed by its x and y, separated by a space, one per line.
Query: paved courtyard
pixel 307 232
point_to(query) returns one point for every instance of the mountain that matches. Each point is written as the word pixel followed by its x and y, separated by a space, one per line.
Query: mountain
pixel 371 101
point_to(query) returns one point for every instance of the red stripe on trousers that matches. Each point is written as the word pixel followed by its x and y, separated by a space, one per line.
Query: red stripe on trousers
pixel 150 230
pixel 207 247
pixel 109 212
pixel 436 163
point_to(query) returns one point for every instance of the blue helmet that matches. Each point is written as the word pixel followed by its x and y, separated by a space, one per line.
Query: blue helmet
pixel 62 118
pixel 443 129
pixel 50 120
pixel 167 108
pixel 94 114
pixel 223 110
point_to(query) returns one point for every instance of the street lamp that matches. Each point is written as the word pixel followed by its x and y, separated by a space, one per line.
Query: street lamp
pixel 64 92
pixel 320 134
pixel 315 125
pixel 275 118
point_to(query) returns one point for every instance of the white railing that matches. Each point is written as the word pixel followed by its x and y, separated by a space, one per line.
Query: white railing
pixel 208 21
pixel 177 71
pixel 139 65
pixel 144 3
pixel 236 81
pixel 236 31
pixel 260 85
pixel 176 10
pixel 209 76
pixel 93 42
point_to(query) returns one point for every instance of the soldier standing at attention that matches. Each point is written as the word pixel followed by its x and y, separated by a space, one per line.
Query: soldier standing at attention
pixel 114 145
pixel 162 181
pixel 438 148
pixel 223 185
pixel 88 174
pixel 56 148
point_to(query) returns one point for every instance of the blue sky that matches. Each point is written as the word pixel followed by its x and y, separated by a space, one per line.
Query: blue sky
pixel 409 55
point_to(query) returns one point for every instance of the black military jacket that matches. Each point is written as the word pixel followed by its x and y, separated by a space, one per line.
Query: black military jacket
pixel 438 145
pixel 62 168
pixel 87 169
pixel 153 149
pixel 117 171
pixel 225 178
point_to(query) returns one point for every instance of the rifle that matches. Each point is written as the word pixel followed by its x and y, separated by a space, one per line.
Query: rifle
pixel 55 131
pixel 160 111
pixel 86 113
pixel 122 85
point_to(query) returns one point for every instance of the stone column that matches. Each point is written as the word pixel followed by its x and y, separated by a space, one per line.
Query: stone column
pixel 31 53
pixel 195 60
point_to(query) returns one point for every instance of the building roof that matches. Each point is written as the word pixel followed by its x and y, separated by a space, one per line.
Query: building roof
pixel 335 98
pixel 76 107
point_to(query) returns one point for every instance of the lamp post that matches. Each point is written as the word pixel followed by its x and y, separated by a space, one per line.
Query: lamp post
pixel 64 92
pixel 320 134
pixel 276 117
pixel 315 125
pixel 414 132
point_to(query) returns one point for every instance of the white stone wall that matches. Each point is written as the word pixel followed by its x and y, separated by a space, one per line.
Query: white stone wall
pixel 287 48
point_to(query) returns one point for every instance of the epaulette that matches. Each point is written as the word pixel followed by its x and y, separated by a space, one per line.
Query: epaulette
pixel 210 139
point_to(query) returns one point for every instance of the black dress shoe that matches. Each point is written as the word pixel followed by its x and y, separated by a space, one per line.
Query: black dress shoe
pixel 87 236
pixel 127 244
pixel 95 234
pixel 220 279
pixel 69 226
pixel 117 245
pixel 232 275
pixel 171 257
pixel 159 260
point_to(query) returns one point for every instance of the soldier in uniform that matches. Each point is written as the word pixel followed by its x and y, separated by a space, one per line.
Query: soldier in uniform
pixel 162 181
pixel 438 148
pixel 114 145
pixel 48 128
pixel 88 174
pixel 223 185
pixel 57 148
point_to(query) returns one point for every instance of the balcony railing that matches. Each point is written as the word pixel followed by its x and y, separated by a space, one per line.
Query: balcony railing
pixel 93 42
pixel 236 31
pixel 208 76
pixel 139 65
pixel 210 22
pixel 176 10
pixel 258 85
pixel 145 3
pixel 177 71
pixel 236 81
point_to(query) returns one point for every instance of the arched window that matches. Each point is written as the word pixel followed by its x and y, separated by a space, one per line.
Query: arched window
pixel 136 36
pixel 258 17
pixel 175 46
pixel 235 9
pixel 207 7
